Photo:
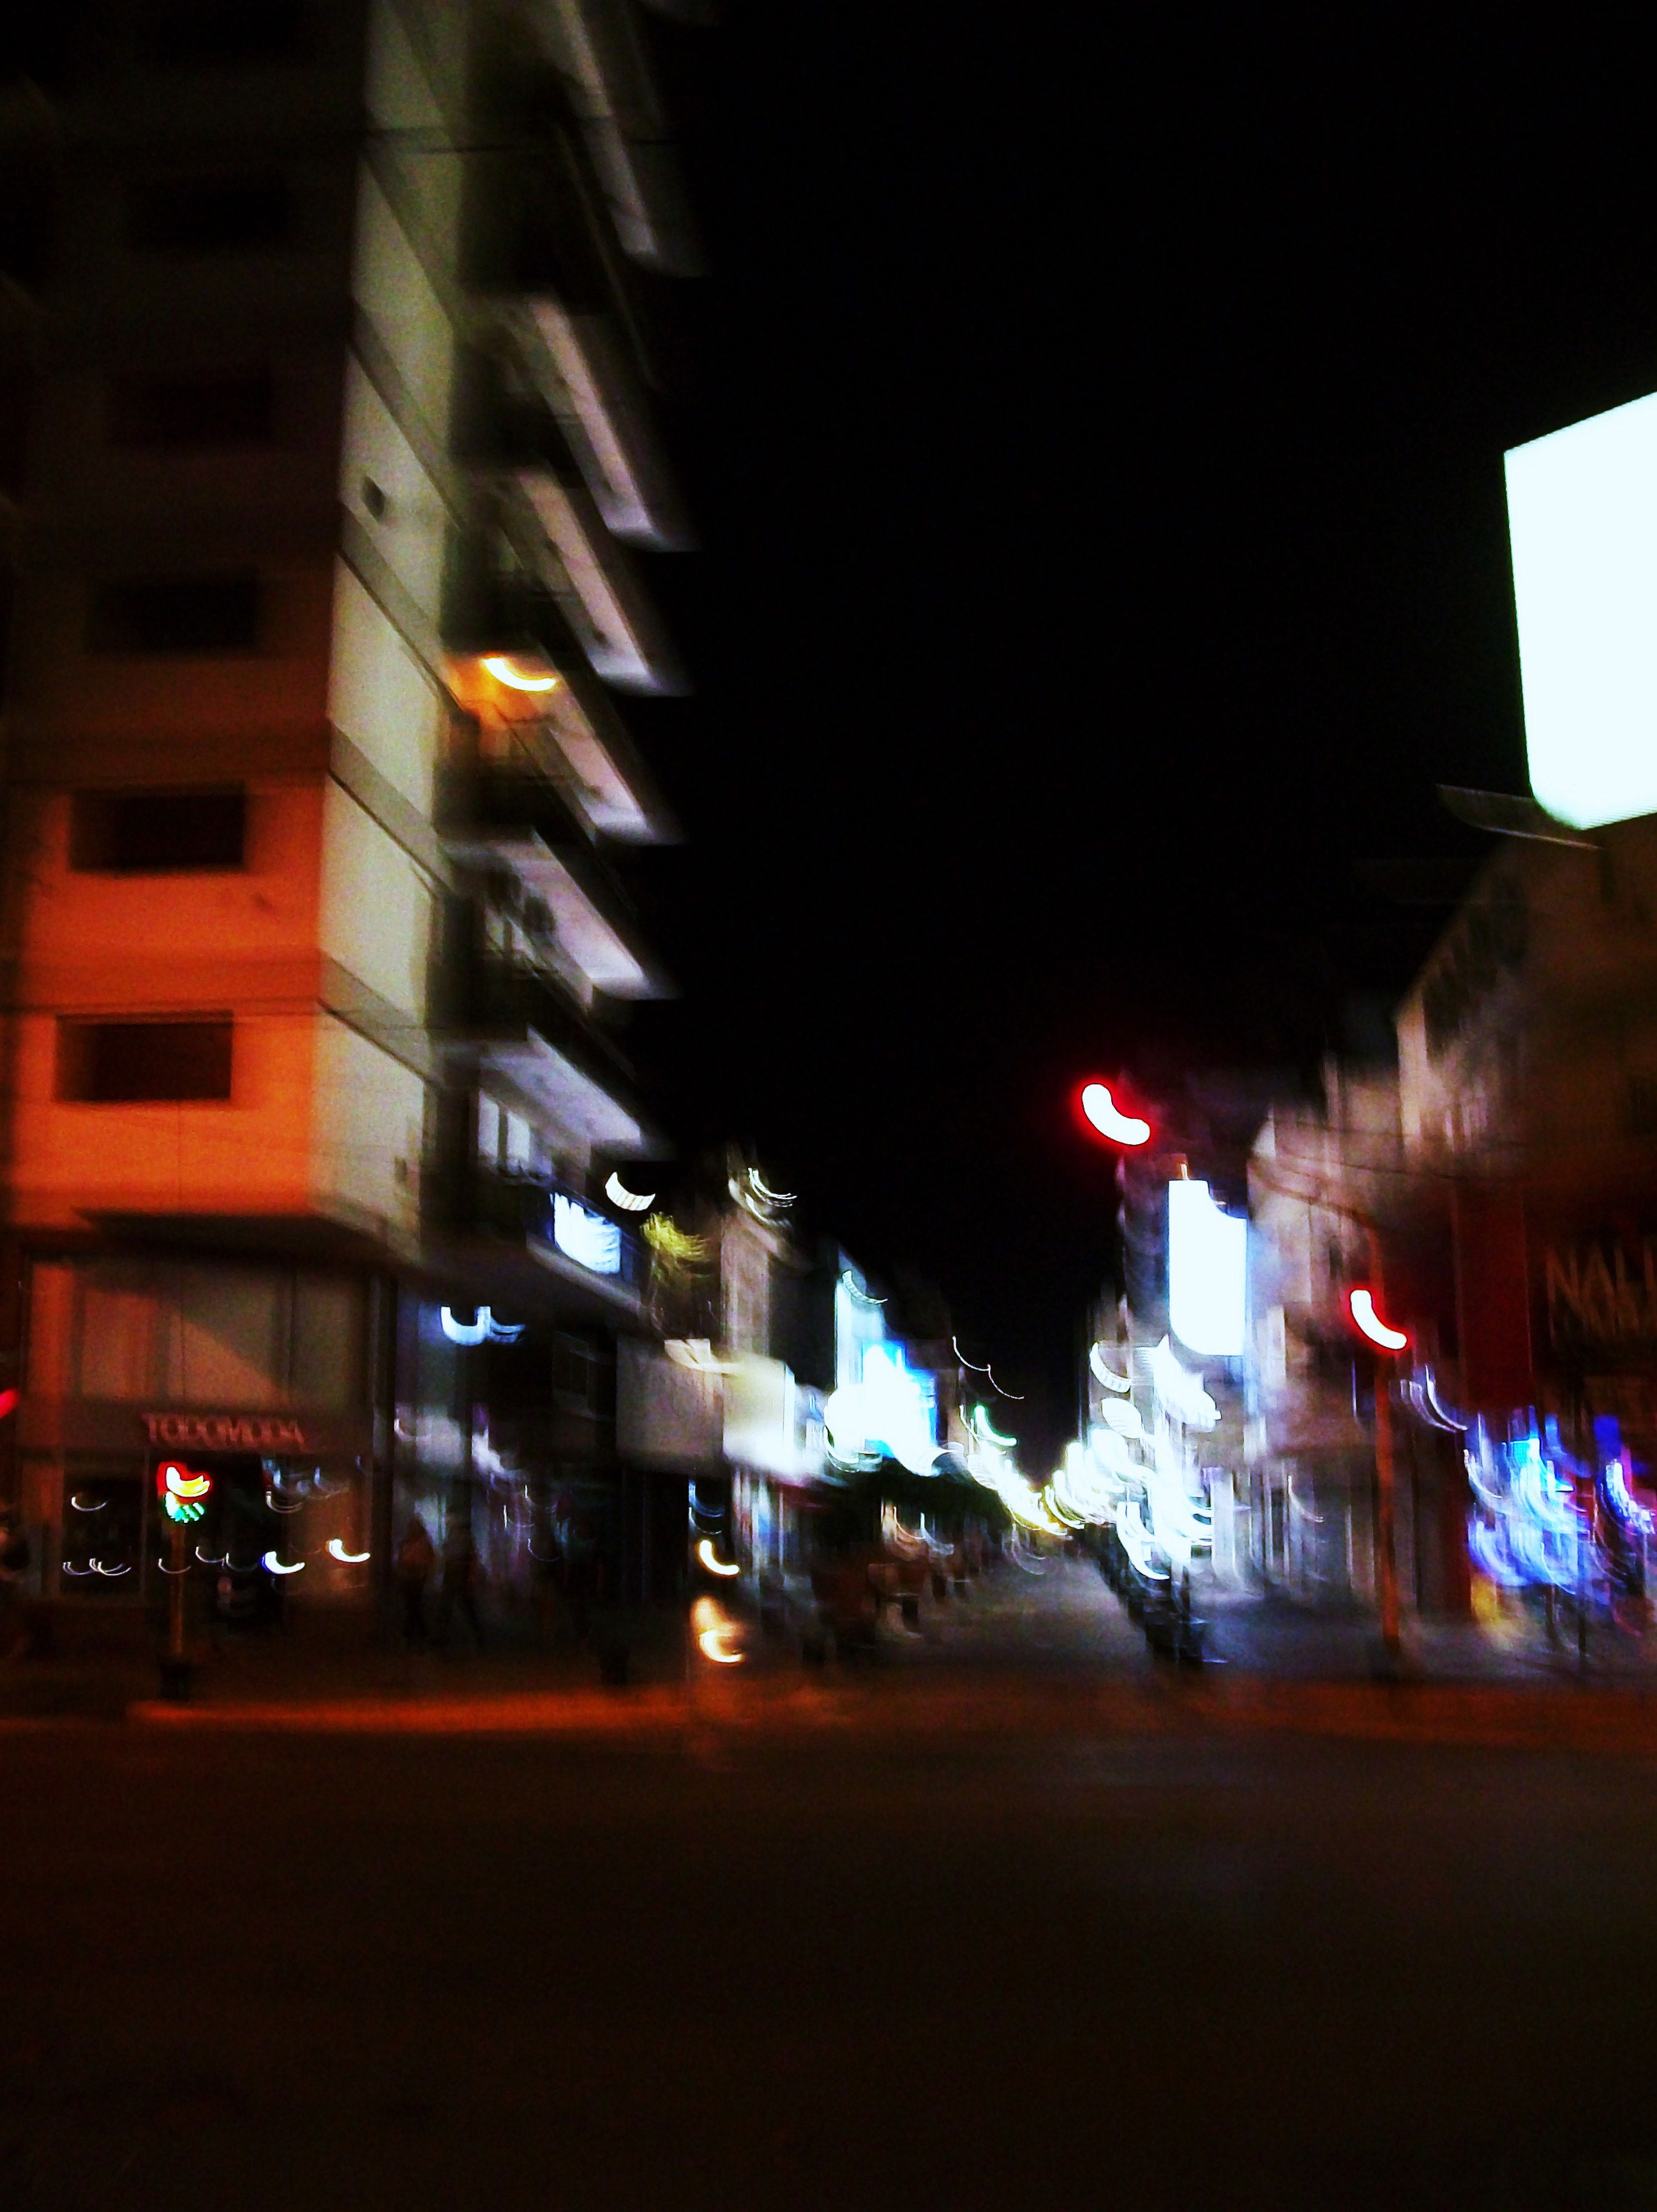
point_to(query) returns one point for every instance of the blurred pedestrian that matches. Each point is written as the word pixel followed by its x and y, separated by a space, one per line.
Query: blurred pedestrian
pixel 416 1557
pixel 458 1590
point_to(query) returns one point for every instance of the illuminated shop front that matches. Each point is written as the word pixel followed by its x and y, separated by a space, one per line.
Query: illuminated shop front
pixel 257 1375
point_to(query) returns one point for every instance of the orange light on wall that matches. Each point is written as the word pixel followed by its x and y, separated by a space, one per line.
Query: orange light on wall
pixel 506 671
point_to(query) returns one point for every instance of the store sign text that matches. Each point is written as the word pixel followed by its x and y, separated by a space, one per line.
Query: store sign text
pixel 226 1431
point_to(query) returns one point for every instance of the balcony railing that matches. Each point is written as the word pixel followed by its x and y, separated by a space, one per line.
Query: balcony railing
pixel 543 1213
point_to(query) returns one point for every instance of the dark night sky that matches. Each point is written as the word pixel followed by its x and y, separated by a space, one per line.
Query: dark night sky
pixel 1096 447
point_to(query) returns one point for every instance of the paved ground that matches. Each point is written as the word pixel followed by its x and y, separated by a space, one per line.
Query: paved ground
pixel 1012 1914
pixel 840 1968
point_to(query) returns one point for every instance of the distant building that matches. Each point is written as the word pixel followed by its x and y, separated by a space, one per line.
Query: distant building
pixel 324 609
pixel 1528 1091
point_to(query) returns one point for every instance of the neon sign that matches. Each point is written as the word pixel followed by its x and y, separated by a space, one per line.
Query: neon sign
pixel 182 1493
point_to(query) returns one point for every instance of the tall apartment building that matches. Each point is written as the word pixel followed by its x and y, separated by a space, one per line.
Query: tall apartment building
pixel 323 618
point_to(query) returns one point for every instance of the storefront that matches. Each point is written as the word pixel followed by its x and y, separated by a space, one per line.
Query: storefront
pixel 258 1376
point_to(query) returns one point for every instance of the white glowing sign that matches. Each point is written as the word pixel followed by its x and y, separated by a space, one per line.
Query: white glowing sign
pixel 585 1236
pixel 1582 524
pixel 483 1328
pixel 891 1410
pixel 1207 1272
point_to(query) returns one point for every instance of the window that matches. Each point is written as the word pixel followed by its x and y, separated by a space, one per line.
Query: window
pixel 176 614
pixel 230 213
pixel 157 832
pixel 131 1063
pixel 224 33
pixel 197 412
pixel 103 1530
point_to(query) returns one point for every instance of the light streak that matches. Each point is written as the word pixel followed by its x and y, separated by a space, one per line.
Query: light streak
pixel 986 1432
pixel 755 1196
pixel 206 1562
pixel 504 672
pixel 697 1353
pixel 1016 1396
pixel 275 1505
pixel 1449 1420
pixel 484 1329
pixel 714 1564
pixel 711 1629
pixel 629 1201
pixel 81 1506
pixel 1180 1390
pixel 273 1566
pixel 1107 1376
pixel 98 1567
pixel 1102 1111
pixel 954 1346
pixel 180 1483
pixel 1361 1305
pixel 337 1550
pixel 165 1570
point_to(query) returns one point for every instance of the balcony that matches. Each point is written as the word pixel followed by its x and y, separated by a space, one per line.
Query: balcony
pixel 565 1227
pixel 489 616
pixel 518 1020
pixel 508 816
pixel 512 435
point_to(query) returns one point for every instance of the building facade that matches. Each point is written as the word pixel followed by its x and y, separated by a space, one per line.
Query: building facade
pixel 324 609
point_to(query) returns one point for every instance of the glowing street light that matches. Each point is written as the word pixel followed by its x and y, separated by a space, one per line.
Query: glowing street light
pixel 1102 1113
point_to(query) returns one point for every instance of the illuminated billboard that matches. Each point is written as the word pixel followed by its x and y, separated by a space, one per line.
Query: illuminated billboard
pixel 1582 523
pixel 1207 1272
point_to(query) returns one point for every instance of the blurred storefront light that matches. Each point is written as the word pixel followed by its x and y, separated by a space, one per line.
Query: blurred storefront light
pixel 1207 1272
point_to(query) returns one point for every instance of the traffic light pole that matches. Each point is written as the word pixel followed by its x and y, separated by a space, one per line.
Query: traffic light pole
pixel 1387 1553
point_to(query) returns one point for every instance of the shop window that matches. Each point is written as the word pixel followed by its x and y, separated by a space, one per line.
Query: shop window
pixel 198 1334
pixel 157 832
pixel 118 1331
pixel 103 1536
pixel 328 1343
pixel 194 412
pixel 175 614
pixel 226 1337
pixel 226 212
pixel 133 1063
pixel 576 1374
pixel 209 34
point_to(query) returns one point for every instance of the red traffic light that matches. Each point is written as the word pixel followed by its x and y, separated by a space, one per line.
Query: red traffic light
pixel 1361 1304
pixel 1103 1116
